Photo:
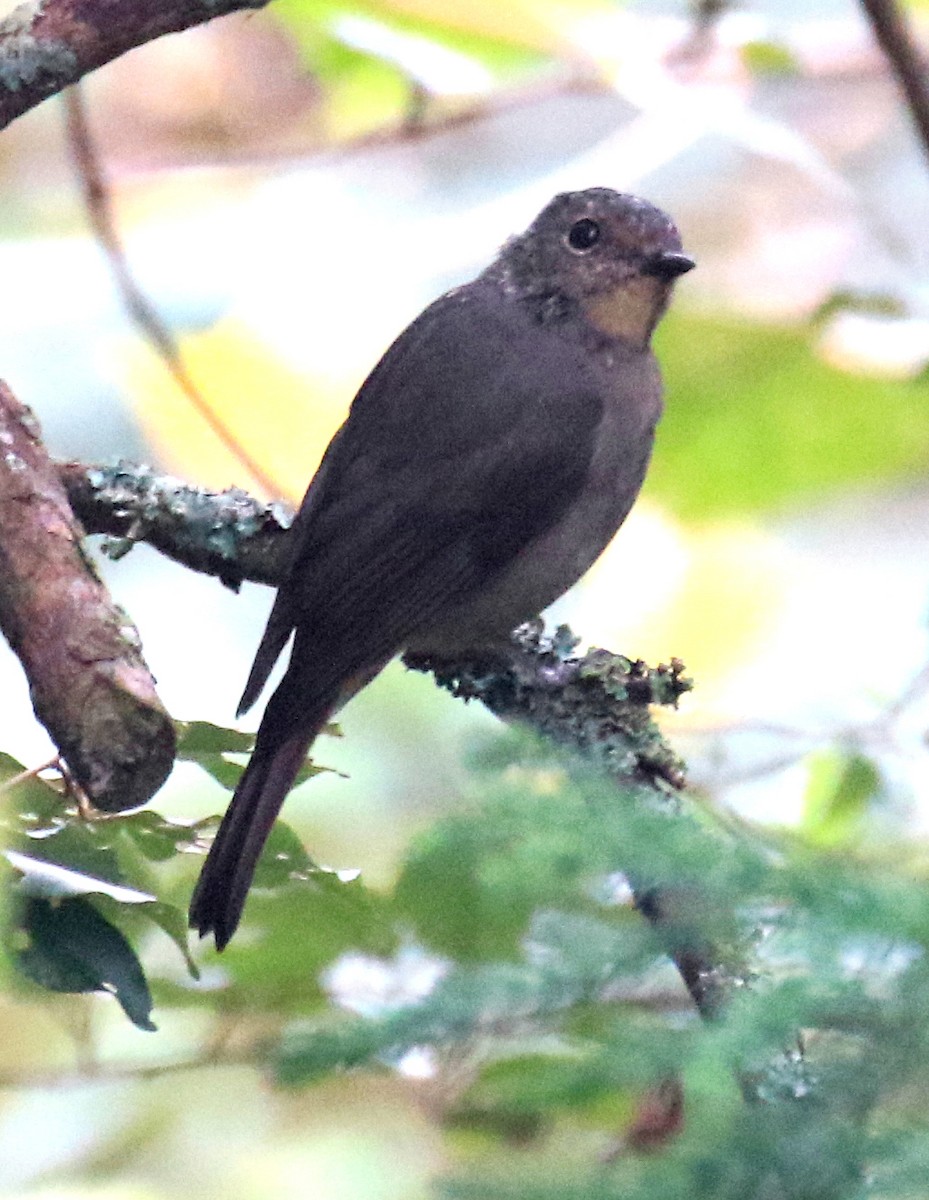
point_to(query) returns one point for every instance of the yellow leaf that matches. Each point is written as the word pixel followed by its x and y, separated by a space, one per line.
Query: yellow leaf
pixel 283 418
pixel 543 25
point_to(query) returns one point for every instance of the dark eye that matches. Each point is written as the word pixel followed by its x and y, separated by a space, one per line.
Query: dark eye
pixel 583 234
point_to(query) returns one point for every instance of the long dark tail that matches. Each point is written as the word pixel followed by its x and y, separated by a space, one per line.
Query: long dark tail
pixel 219 897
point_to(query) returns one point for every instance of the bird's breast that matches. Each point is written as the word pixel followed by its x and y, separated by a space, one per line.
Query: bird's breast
pixel 554 561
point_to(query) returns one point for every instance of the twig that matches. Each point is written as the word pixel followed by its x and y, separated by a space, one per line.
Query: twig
pixel 140 309
pixel 45 45
pixel 109 1073
pixel 423 123
pixel 908 64
pixel 33 773
pixel 699 39
pixel 597 702
pixel 911 694
pixel 879 732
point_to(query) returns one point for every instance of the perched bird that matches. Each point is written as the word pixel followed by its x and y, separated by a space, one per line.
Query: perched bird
pixel 486 462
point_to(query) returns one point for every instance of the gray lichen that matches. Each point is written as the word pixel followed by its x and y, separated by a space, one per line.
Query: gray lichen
pixel 229 534
pixel 26 59
pixel 598 703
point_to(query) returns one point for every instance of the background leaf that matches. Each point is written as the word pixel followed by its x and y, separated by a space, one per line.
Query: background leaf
pixel 754 420
pixel 70 947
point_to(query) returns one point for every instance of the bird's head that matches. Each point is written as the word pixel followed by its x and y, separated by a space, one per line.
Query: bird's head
pixel 612 255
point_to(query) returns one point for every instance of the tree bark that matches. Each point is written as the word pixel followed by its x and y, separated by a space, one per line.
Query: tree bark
pixel 90 686
pixel 45 45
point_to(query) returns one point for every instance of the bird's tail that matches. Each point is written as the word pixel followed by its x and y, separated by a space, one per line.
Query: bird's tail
pixel 219 896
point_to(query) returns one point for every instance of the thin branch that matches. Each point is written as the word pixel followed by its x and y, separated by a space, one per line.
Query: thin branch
pixel 141 311
pixel 32 773
pixel 597 702
pixel 112 1073
pixel 426 121
pixel 914 691
pixel 46 45
pixel 907 62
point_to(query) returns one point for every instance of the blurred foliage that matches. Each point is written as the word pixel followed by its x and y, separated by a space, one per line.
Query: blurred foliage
pixel 843 786
pixel 368 54
pixel 768 58
pixel 510 966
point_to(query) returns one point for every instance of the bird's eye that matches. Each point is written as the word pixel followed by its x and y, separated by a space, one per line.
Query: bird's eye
pixel 583 234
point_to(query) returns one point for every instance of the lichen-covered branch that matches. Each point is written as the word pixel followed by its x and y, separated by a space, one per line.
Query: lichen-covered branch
pixel 597 703
pixel 45 45
pixel 227 534
pixel 89 683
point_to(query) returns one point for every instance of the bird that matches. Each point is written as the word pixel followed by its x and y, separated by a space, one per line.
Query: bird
pixel 484 465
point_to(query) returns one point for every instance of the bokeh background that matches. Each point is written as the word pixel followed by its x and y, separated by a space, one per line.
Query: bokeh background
pixel 292 186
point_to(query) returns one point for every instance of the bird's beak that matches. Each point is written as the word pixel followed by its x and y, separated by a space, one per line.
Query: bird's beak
pixel 668 264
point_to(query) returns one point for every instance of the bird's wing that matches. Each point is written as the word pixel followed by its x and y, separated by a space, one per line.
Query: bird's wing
pixel 283 617
pixel 470 439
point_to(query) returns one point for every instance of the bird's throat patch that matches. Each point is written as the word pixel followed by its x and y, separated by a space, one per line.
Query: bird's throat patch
pixel 632 311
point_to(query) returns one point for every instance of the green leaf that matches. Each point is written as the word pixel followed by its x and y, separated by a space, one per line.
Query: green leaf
pixel 196 739
pixel 157 838
pixel 51 881
pixel 840 788
pixel 131 918
pixel 56 853
pixel 283 856
pixel 769 58
pixel 210 745
pixel 70 947
pixel 33 803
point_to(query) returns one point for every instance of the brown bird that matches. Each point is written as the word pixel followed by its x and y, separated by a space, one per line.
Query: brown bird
pixel 486 462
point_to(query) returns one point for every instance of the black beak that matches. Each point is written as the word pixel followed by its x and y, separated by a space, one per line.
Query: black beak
pixel 668 264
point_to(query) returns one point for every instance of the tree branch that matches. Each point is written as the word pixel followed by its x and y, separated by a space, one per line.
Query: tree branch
pixel 226 534
pixel 906 61
pixel 89 683
pixel 45 45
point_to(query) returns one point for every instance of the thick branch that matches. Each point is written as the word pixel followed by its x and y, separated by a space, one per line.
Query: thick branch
pixel 45 45
pixel 90 686
pixel 908 64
